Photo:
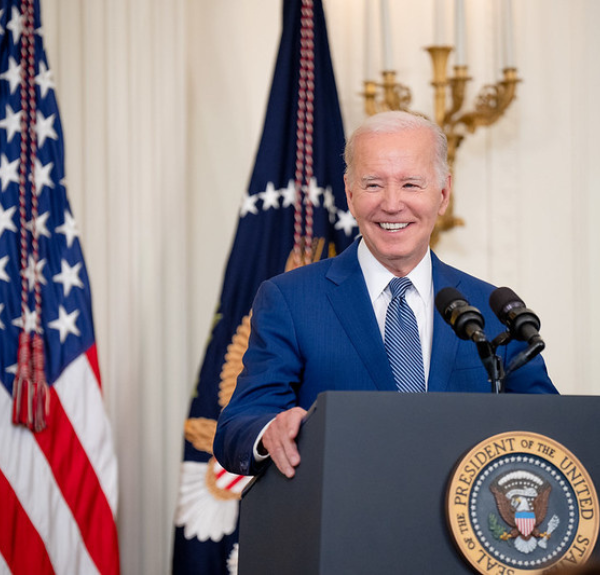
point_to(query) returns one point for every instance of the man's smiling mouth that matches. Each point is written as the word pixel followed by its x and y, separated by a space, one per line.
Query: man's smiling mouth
pixel 392 227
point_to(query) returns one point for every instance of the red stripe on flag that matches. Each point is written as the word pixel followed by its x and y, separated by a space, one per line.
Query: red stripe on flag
pixel 20 544
pixel 92 355
pixel 235 481
pixel 80 487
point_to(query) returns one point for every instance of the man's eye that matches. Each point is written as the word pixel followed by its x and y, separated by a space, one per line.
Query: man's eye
pixel 372 187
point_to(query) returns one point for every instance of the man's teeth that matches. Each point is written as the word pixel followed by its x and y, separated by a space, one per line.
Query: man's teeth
pixel 392 227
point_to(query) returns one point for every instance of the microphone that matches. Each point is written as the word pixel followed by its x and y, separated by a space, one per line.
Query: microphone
pixel 510 309
pixel 466 320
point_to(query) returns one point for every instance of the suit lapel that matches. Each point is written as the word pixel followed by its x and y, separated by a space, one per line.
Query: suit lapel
pixel 445 342
pixel 350 300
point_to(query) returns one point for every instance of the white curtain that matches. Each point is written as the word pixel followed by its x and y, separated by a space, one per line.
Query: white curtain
pixel 162 104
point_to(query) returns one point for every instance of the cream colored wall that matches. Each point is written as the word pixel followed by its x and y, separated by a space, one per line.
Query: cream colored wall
pixel 162 104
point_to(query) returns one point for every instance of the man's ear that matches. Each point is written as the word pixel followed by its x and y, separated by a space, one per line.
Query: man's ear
pixel 446 191
pixel 349 194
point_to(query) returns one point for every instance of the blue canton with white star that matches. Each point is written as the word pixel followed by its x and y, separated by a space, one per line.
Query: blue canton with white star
pixel 66 320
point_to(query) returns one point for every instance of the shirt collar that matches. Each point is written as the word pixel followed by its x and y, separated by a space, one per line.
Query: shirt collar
pixel 377 277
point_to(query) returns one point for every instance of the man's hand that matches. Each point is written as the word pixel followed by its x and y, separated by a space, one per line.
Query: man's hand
pixel 279 440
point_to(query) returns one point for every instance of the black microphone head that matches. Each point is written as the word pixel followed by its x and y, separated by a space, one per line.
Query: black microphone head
pixel 510 309
pixel 503 300
pixel 445 297
pixel 465 319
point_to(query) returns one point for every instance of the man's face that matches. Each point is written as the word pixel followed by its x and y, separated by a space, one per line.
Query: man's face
pixel 394 194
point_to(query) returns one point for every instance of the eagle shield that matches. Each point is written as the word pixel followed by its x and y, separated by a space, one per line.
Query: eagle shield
pixel 522 500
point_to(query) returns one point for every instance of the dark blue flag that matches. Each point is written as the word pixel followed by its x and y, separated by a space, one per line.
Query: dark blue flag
pixel 294 212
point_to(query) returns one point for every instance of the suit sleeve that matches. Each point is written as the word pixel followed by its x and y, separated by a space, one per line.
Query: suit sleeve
pixel 266 386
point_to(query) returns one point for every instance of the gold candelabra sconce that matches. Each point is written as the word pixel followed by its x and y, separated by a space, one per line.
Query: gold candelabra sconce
pixel 490 104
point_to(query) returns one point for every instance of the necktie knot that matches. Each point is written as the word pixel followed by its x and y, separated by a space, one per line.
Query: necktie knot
pixel 399 287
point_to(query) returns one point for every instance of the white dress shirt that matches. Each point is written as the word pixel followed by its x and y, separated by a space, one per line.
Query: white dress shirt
pixel 419 297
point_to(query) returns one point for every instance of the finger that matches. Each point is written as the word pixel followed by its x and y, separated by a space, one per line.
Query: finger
pixel 281 448
pixel 279 440
pixel 292 420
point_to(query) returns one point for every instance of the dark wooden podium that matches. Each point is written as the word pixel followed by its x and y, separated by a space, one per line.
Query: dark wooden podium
pixel 369 494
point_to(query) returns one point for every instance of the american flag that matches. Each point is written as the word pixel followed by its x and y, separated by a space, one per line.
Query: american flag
pixel 293 212
pixel 58 476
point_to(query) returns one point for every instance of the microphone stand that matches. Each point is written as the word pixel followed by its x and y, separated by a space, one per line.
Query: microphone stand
pixel 491 361
pixel 535 347
pixel 493 364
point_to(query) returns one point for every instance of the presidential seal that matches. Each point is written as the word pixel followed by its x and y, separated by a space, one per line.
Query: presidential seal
pixel 521 503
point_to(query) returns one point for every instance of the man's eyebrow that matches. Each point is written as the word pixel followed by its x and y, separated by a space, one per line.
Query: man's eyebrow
pixel 370 178
pixel 365 180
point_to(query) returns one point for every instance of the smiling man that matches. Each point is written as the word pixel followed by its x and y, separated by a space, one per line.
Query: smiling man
pixel 365 319
pixel 397 183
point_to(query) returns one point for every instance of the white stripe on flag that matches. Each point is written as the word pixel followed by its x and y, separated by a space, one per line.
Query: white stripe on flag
pixel 82 401
pixel 30 476
pixel 3 565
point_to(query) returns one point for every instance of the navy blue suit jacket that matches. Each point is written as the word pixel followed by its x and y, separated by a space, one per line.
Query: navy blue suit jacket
pixel 314 329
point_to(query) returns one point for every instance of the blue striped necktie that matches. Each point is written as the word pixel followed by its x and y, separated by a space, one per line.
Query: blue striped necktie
pixel 402 341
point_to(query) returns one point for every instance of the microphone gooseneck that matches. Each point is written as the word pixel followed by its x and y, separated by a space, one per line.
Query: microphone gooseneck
pixel 523 324
pixel 468 323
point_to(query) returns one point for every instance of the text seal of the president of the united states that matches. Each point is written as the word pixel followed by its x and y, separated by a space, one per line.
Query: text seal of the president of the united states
pixel 521 503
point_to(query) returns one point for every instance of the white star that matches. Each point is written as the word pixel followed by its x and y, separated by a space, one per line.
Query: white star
pixel 314 192
pixel 270 197
pixel 8 171
pixel 65 323
pixel 345 222
pixel 3 275
pixel 248 205
pixel 34 273
pixel 12 369
pixel 42 176
pixel 329 204
pixel 30 321
pixel 69 229
pixel 1 304
pixel 16 25
pixel 1 14
pixel 6 222
pixel 40 225
pixel 44 79
pixel 13 74
pixel 44 128
pixel 329 199
pixel 11 123
pixel 68 276
pixel 289 194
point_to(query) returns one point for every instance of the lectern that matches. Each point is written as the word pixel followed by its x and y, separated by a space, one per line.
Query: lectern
pixel 370 495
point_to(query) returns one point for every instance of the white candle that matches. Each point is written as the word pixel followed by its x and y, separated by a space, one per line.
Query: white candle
pixel 459 33
pixel 439 23
pixel 386 36
pixel 508 60
pixel 369 72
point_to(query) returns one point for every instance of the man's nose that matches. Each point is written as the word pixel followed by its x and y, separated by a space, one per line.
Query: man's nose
pixel 393 198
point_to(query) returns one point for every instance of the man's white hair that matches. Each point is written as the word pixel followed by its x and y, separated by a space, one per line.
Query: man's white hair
pixel 397 121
